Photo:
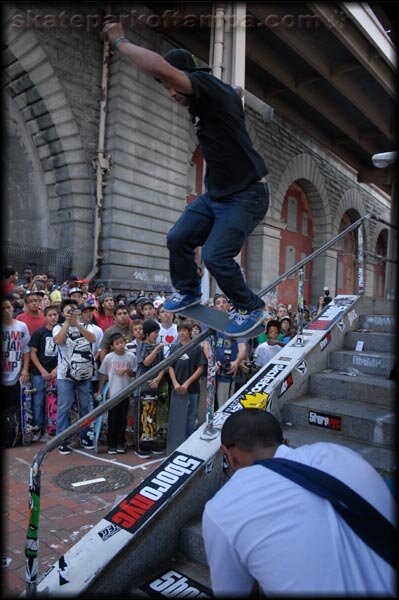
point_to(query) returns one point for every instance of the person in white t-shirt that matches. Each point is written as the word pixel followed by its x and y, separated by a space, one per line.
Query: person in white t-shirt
pixel 168 332
pixel 263 529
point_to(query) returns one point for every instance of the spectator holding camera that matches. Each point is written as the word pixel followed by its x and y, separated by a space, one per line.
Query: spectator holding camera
pixel 229 353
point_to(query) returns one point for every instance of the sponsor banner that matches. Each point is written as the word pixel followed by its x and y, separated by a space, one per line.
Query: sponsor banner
pixel 152 494
pixel 108 532
pixel 287 383
pixel 325 341
pixel 330 315
pixel 254 396
pixel 173 584
pixel 326 421
pixel 302 367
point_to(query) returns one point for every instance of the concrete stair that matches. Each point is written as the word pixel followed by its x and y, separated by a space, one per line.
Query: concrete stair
pixel 355 390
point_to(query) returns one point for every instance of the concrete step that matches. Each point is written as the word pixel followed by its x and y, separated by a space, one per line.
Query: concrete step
pixel 180 578
pixel 386 323
pixel 191 544
pixel 373 363
pixel 359 387
pixel 373 341
pixel 363 422
pixel 382 459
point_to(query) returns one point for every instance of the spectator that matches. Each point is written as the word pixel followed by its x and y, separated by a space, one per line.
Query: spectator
pixel 263 336
pixel 43 357
pixel 98 291
pixel 282 311
pixel 17 302
pixel 137 330
pixel 149 354
pixel 90 297
pixel 122 324
pixel 33 315
pixel 104 315
pixel 262 527
pixel 148 310
pixel 118 367
pixel 75 370
pixel 14 365
pixel 285 329
pixel 53 290
pixel 76 293
pixel 186 371
pixel 87 319
pixel 27 278
pixel 71 282
pixel 229 354
pixel 9 282
pixel 196 330
pixel 265 352
pixel 168 331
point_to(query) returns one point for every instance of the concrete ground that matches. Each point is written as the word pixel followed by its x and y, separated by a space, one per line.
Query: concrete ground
pixel 67 512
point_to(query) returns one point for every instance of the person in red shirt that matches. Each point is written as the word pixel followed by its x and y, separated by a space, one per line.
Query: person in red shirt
pixel 104 315
pixel 9 282
pixel 33 315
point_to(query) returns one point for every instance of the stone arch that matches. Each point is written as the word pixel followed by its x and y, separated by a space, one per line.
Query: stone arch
pixel 45 114
pixel 303 170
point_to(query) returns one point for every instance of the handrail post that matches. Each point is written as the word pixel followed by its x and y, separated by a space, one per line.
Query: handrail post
pixel 209 431
pixel 360 261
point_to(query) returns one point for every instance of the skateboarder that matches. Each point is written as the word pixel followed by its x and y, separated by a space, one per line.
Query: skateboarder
pixel 237 195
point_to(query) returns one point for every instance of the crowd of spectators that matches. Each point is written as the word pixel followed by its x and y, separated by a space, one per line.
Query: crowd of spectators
pixel 56 318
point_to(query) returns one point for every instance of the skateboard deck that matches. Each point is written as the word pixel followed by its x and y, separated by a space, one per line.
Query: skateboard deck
pixel 216 319
pixel 27 427
pixel 100 422
pixel 146 421
pixel 12 427
pixel 177 421
pixel 51 406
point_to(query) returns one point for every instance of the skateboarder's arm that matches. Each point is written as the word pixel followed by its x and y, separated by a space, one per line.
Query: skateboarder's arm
pixel 146 60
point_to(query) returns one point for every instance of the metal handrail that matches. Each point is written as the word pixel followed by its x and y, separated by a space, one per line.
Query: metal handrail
pixel 32 541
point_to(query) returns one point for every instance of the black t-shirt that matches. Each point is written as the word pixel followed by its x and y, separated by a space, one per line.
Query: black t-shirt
pixel 218 115
pixel 47 350
pixel 187 364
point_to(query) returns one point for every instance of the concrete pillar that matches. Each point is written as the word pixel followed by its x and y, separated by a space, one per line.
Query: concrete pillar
pixel 264 253
pixel 369 277
pixel 324 274
pixel 391 277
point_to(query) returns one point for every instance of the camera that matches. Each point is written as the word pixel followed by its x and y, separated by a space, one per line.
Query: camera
pixel 226 364
pixel 75 311
pixel 327 298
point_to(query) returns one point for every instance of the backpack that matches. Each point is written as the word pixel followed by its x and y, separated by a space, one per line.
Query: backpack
pixel 79 358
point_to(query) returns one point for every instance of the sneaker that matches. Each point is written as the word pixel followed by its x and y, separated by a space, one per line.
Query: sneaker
pixel 112 450
pixel 243 322
pixel 87 443
pixel 65 449
pixel 121 448
pixel 157 451
pixel 37 434
pixel 142 454
pixel 178 302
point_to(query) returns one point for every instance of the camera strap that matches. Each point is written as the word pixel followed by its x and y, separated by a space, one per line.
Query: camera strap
pixel 366 521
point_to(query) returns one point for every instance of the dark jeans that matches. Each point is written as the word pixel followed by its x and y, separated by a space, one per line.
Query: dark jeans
pixel 117 417
pixel 221 228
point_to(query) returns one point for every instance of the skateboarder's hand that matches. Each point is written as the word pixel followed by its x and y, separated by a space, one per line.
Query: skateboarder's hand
pixel 111 29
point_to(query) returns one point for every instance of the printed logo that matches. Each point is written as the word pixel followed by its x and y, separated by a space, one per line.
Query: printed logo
pixel 285 358
pixel 341 324
pixel 302 367
pixel 326 421
pixel 255 396
pixel 325 341
pixel 352 315
pixel 152 494
pixel 173 584
pixel 220 418
pixel 287 383
pixel 108 532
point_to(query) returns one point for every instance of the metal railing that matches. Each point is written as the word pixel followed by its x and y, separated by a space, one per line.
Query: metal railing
pixel 32 537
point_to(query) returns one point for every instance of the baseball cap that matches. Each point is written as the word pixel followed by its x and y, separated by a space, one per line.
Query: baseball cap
pixel 183 60
pixel 75 289
pixel 149 326
pixel 87 307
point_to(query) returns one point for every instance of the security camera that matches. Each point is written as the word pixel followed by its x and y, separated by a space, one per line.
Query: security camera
pixel 384 159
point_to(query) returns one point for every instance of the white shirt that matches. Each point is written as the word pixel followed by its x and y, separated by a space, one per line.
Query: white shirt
pixel 14 344
pixel 62 349
pixel 168 336
pixel 264 352
pixel 262 526
pixel 111 363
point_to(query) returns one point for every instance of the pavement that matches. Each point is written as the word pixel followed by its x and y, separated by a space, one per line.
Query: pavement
pixel 67 511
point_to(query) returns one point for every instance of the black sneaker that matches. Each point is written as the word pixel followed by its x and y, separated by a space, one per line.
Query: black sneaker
pixel 142 454
pixel 65 449
pixel 87 443
pixel 112 450
pixel 121 448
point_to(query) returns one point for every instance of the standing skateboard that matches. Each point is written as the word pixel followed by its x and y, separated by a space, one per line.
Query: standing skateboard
pixel 146 425
pixel 177 421
pixel 216 319
pixel 51 406
pixel 100 424
pixel 28 430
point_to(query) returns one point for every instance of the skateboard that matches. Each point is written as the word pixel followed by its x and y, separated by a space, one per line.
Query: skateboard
pixel 27 428
pixel 12 427
pixel 51 406
pixel 177 421
pixel 100 424
pixel 146 425
pixel 216 319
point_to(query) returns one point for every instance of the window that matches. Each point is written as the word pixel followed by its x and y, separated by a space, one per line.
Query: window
pixel 292 213
pixel 290 259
